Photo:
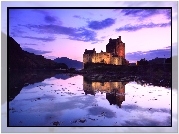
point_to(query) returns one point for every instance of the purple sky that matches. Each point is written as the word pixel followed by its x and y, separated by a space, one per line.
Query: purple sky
pixel 173 4
pixel 68 32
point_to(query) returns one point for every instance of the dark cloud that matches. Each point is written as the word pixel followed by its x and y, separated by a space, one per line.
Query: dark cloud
pixel 167 14
pixel 145 13
pixel 98 25
pixel 94 42
pixel 80 34
pixel 79 17
pixel 132 107
pixel 131 28
pixel 152 54
pixel 83 34
pixel 28 44
pixel 45 39
pixel 97 41
pixel 103 37
pixel 37 52
pixel 144 121
pixel 50 19
pixel 47 16
pixel 16 31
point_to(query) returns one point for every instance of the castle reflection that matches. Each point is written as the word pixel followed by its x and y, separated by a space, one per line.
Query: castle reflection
pixel 115 91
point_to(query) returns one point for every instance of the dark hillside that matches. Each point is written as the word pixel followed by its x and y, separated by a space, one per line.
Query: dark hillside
pixel 20 59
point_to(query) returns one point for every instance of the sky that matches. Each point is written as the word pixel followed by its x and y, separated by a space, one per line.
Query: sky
pixel 68 32
pixel 132 55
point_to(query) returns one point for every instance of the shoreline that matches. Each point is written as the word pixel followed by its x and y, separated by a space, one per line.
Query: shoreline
pixel 157 75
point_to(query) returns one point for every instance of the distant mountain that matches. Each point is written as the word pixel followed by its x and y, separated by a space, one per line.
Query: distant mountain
pixel 20 59
pixel 64 76
pixel 69 62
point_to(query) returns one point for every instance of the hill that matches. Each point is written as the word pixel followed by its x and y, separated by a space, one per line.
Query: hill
pixel 20 59
pixel 69 62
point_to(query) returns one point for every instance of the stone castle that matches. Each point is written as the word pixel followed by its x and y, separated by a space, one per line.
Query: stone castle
pixel 115 54
pixel 115 91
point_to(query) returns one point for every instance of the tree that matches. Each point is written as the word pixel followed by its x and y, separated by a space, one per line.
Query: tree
pixel 142 62
pixel 72 69
pixel 168 60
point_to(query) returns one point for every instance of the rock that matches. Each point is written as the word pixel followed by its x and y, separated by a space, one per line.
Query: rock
pixel 56 123
pixel 26 84
pixel 100 77
pixel 82 120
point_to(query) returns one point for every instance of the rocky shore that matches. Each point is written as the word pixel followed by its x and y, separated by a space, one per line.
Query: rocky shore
pixel 151 75
pixel 143 80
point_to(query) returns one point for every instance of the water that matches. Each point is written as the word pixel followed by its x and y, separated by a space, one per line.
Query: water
pixel 64 100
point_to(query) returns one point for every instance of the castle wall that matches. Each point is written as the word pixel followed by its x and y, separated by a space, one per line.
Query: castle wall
pixel 111 46
pixel 120 50
pixel 116 88
pixel 87 86
pixel 107 86
pixel 116 60
pixel 102 57
pixel 87 58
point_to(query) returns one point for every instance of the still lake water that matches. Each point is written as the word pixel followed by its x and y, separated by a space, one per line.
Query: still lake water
pixel 72 101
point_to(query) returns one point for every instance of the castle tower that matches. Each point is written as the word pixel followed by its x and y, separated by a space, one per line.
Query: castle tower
pixel 120 48
pixel 111 46
pixel 116 46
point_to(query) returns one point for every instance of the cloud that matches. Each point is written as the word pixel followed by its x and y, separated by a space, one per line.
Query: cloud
pixel 48 18
pixel 98 25
pixel 97 41
pixel 132 28
pixel 146 13
pixel 79 17
pixel 79 34
pixel 45 39
pixel 94 42
pixel 148 55
pixel 96 111
pixel 83 34
pixel 16 31
pixel 131 107
pixel 37 52
pixel 103 37
pixel 143 121
pixel 28 44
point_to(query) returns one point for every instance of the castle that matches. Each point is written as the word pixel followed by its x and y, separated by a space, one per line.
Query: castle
pixel 115 54
pixel 115 91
